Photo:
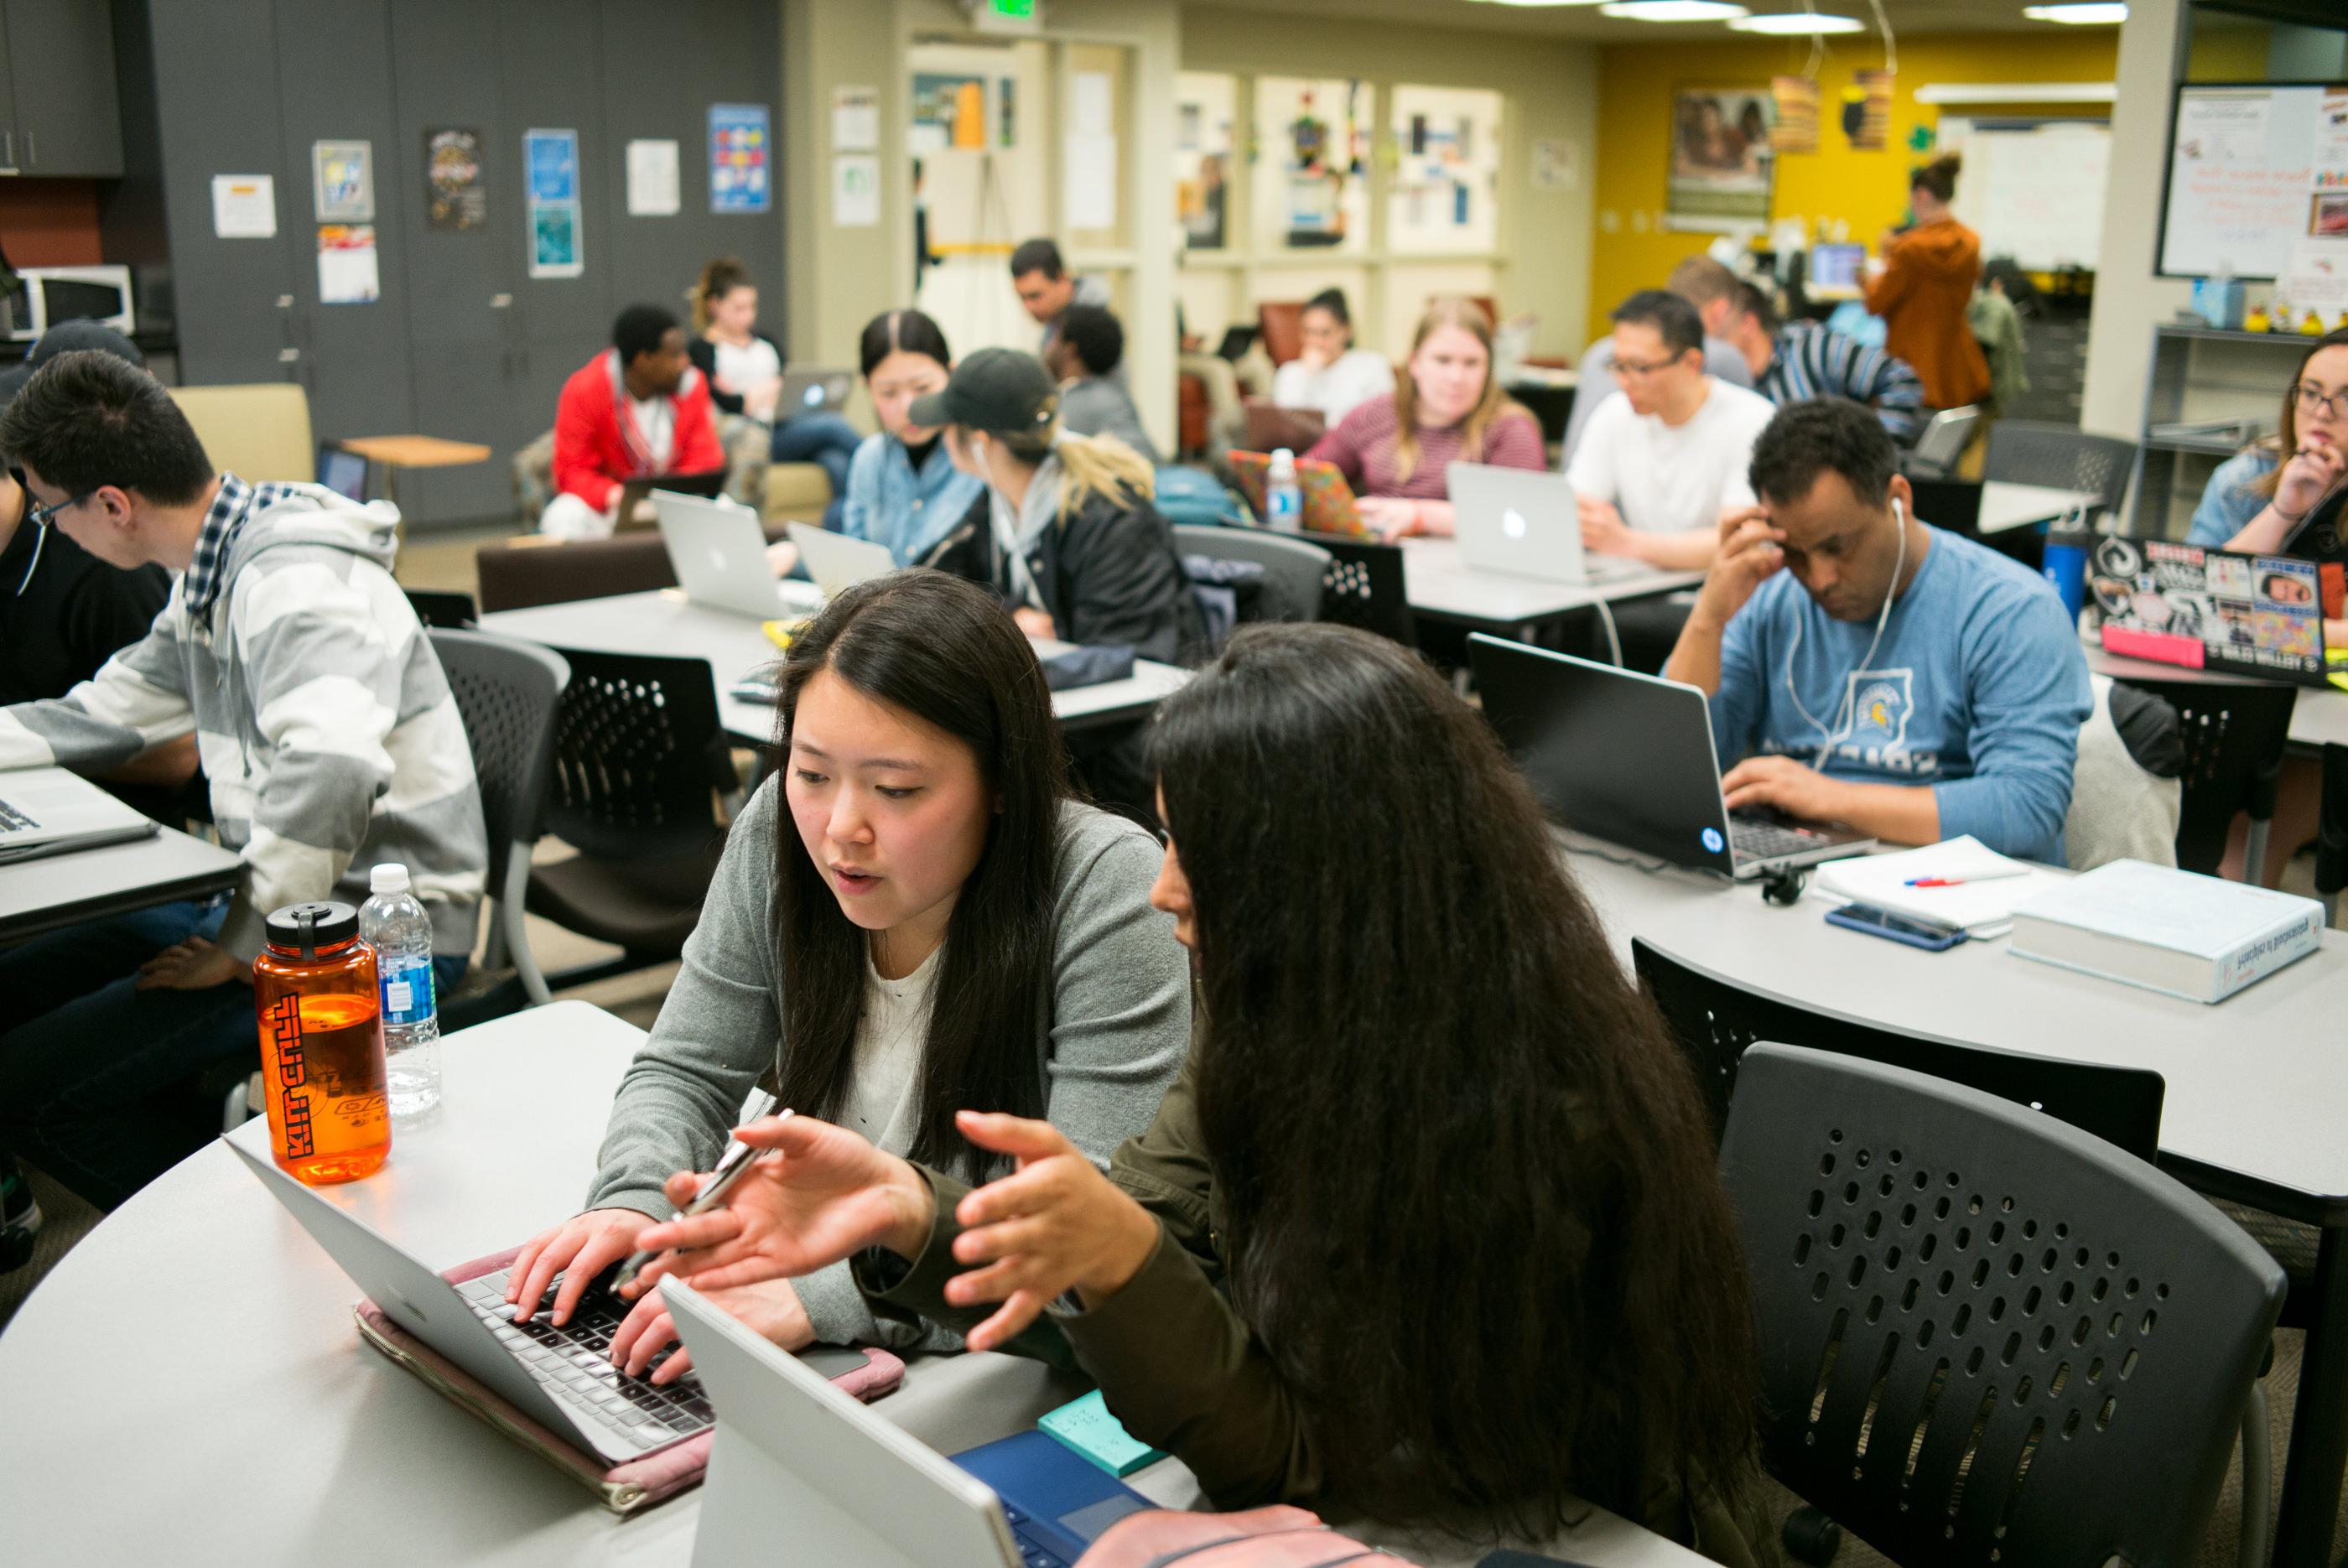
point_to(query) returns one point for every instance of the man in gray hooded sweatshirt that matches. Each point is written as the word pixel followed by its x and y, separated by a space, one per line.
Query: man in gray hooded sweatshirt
pixel 326 727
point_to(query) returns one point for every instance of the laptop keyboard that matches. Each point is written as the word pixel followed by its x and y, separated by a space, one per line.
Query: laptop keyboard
pixel 1758 840
pixel 574 1362
pixel 12 821
pixel 1032 1554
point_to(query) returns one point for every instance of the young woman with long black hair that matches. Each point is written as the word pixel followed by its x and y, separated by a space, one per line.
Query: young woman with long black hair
pixel 910 918
pixel 1450 1170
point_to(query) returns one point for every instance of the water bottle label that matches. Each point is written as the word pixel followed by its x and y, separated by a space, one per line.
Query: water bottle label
pixel 407 991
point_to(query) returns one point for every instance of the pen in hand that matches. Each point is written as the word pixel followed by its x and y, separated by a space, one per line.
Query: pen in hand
pixel 738 1158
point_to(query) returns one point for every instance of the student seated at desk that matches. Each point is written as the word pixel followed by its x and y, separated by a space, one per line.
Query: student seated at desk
pixel 903 490
pixel 1084 358
pixel 1660 464
pixel 1704 283
pixel 1440 1243
pixel 1330 376
pixel 913 916
pixel 2257 500
pixel 1445 408
pixel 327 729
pixel 1047 288
pixel 638 408
pixel 744 371
pixel 1792 361
pixel 1873 670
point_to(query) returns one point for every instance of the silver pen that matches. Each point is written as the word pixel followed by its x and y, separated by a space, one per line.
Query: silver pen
pixel 737 1158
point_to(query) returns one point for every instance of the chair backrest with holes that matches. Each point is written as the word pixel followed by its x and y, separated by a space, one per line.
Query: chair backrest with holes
pixel 1365 587
pixel 638 755
pixel 509 694
pixel 2062 457
pixel 1987 1336
pixel 2234 734
pixel 1293 570
pixel 1715 1022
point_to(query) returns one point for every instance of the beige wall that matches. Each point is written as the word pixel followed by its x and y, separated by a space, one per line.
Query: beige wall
pixel 1552 93
pixel 2129 300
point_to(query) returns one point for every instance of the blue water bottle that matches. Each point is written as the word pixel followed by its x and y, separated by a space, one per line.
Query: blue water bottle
pixel 2065 565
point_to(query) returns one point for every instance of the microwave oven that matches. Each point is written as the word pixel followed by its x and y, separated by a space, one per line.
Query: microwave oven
pixel 48 295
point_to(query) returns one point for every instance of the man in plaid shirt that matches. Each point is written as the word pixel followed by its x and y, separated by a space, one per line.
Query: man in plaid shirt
pixel 1797 360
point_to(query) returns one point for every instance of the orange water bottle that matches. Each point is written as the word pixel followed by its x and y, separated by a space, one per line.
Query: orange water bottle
pixel 321 1045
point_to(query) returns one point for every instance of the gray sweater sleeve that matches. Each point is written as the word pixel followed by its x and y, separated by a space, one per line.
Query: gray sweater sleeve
pixel 1117 1023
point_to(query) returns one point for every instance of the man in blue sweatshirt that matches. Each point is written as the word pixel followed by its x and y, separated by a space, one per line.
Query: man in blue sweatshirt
pixel 1865 668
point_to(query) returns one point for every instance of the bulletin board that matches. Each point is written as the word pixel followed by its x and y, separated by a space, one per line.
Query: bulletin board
pixel 2033 191
pixel 2253 167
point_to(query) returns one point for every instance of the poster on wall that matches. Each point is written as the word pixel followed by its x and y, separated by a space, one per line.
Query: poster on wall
pixel 1721 159
pixel 245 206
pixel 552 159
pixel 1202 203
pixel 739 158
pixel 950 112
pixel 454 196
pixel 341 179
pixel 347 273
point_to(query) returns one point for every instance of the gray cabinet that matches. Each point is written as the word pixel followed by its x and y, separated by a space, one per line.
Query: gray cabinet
pixel 61 115
pixel 463 342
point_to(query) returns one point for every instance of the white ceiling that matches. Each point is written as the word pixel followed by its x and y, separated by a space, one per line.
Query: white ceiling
pixel 1582 22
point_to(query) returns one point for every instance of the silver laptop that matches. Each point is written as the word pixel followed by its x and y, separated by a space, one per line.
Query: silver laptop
pixel 562 1379
pixel 812 391
pixel 719 554
pixel 1522 523
pixel 851 1486
pixel 48 812
pixel 838 562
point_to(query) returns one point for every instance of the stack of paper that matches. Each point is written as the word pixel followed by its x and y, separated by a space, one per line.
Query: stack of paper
pixel 1979 891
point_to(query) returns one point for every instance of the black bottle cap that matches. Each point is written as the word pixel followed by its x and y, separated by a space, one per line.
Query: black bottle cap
pixel 304 928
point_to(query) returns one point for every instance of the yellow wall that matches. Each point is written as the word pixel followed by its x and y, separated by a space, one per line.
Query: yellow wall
pixel 1629 250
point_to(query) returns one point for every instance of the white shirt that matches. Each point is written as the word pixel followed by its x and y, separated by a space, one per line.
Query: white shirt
pixel 655 423
pixel 1668 479
pixel 741 366
pixel 1356 377
pixel 886 1070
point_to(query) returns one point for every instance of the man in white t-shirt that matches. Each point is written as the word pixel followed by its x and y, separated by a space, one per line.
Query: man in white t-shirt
pixel 1658 465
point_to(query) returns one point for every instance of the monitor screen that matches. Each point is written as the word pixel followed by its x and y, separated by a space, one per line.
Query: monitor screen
pixel 78 299
pixel 1836 266
pixel 344 473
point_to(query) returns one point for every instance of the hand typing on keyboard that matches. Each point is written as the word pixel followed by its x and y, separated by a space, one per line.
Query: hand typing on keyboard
pixel 771 1309
pixel 1785 784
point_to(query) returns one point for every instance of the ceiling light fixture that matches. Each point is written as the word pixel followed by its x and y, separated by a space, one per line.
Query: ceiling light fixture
pixel 1673 10
pixel 2083 13
pixel 1539 5
pixel 1797 24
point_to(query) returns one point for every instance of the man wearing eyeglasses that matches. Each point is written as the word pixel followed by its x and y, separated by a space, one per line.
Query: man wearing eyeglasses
pixel 1659 465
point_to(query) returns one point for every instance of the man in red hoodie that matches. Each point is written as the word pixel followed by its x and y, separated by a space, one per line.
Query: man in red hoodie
pixel 637 409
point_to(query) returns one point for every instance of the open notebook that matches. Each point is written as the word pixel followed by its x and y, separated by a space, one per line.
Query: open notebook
pixel 1989 885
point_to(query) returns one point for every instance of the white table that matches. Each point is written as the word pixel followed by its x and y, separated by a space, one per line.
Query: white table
pixel 666 624
pixel 1438 583
pixel 187 1387
pixel 2319 716
pixel 57 891
pixel 2005 506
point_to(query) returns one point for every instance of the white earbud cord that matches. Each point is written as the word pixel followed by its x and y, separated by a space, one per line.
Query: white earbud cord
pixel 1848 716
pixel 40 543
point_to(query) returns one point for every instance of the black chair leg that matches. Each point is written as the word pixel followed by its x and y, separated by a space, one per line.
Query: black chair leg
pixel 1811 1537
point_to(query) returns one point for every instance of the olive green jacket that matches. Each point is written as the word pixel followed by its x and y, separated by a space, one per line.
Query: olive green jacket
pixel 1176 1362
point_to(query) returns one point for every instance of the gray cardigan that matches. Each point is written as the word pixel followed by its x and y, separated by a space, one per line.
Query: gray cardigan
pixel 1109 1041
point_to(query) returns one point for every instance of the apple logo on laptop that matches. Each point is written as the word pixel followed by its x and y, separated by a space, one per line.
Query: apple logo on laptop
pixel 1512 523
pixel 718 559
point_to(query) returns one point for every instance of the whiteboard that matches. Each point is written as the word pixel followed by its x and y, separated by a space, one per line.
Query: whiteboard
pixel 2244 173
pixel 2036 194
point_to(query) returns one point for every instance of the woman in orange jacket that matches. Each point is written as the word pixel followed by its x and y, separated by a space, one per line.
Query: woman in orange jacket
pixel 1927 278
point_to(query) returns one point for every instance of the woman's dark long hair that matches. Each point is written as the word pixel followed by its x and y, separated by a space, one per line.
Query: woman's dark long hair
pixel 1469 1190
pixel 944 651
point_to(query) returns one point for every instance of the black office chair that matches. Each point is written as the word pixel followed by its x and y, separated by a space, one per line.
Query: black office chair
pixel 1365 587
pixel 2234 736
pixel 2332 832
pixel 1987 1336
pixel 509 693
pixel 2061 456
pixel 1715 1023
pixel 1292 569
pixel 639 760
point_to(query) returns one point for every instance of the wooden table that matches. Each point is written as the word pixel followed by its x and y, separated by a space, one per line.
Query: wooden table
pixel 397 453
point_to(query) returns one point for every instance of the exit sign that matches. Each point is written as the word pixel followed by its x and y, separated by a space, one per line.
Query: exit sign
pixel 1005 16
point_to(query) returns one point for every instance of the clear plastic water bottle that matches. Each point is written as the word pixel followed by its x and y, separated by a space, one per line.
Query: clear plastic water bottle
pixel 1283 500
pixel 394 925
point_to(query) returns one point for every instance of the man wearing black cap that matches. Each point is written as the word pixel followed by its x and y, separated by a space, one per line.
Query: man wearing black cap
pixel 63 612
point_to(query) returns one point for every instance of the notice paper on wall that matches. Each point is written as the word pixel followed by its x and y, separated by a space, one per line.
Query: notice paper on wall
pixel 245 206
pixel 342 175
pixel 1089 98
pixel 856 190
pixel 654 180
pixel 347 273
pixel 855 119
pixel 1088 188
pixel 550 159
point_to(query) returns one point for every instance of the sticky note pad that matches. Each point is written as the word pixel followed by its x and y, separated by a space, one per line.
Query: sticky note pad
pixel 1086 1425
